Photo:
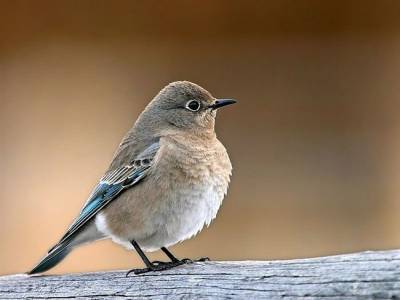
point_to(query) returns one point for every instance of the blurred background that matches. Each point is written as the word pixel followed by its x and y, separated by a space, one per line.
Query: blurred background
pixel 314 140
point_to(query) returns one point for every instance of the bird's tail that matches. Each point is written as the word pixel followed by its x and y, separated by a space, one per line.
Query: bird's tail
pixel 53 257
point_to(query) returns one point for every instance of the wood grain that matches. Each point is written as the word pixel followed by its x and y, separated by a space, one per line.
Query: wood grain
pixel 366 275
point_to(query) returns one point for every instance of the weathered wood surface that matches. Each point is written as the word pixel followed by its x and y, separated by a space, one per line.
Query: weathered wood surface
pixel 366 275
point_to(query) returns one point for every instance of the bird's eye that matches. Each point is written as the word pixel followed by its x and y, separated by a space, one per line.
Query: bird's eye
pixel 193 105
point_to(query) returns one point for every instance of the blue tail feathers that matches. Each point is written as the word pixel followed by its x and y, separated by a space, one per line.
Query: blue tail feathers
pixel 54 256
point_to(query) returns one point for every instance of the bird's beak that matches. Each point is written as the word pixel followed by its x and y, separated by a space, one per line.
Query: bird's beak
pixel 221 102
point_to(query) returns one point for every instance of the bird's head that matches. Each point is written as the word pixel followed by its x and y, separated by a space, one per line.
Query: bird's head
pixel 183 106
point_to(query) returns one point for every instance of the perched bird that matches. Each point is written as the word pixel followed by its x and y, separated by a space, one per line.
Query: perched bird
pixel 166 181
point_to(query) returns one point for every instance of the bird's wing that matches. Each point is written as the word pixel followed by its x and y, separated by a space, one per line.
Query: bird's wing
pixel 110 186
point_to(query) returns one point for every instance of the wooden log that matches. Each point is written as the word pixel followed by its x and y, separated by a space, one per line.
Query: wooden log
pixel 366 275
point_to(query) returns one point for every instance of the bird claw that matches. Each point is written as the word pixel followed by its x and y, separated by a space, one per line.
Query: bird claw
pixel 134 271
pixel 162 266
pixel 159 262
pixel 190 261
pixel 157 266
pixel 203 259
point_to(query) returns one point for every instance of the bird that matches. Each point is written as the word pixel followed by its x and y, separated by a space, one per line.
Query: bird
pixel 165 183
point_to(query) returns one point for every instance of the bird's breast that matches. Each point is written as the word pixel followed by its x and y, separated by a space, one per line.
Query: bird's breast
pixel 194 181
pixel 182 192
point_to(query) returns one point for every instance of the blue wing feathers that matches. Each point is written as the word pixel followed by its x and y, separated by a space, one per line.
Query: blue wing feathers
pixel 109 187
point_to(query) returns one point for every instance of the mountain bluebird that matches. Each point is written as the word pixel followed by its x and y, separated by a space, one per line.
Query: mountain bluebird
pixel 166 181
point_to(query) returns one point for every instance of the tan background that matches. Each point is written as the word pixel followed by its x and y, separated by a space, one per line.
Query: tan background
pixel 314 141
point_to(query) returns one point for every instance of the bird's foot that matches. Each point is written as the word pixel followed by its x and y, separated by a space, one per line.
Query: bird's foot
pixel 162 265
pixel 159 266
pixel 202 259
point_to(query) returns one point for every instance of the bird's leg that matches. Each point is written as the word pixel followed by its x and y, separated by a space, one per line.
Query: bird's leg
pixel 170 264
pixel 184 260
pixel 146 261
pixel 156 265
pixel 169 254
pixel 174 261
pixel 160 265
